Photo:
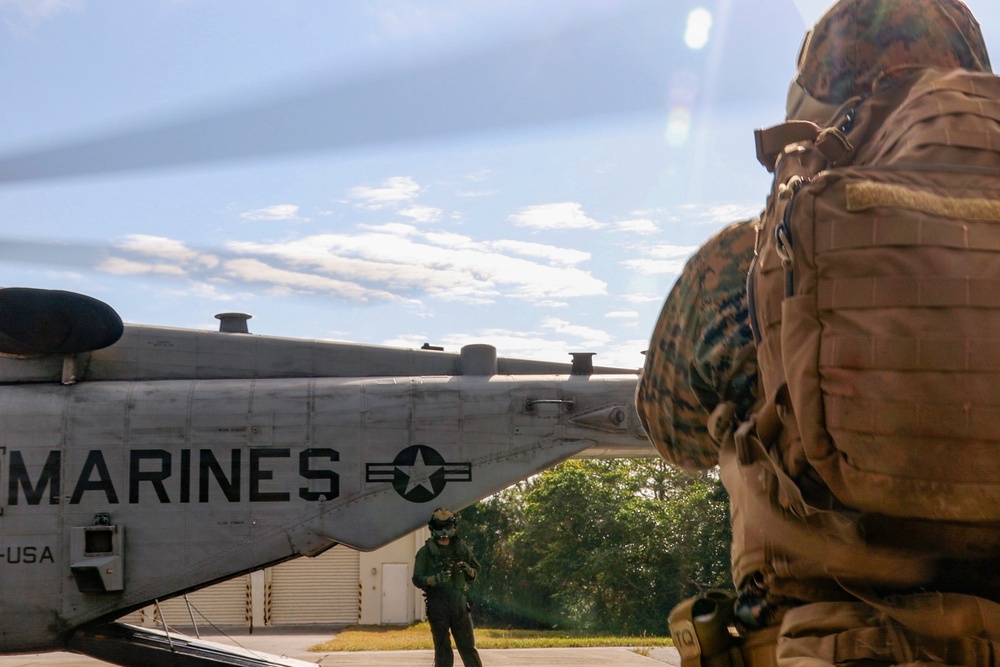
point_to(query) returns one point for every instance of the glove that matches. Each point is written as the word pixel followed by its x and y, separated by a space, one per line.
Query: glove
pixel 467 570
pixel 439 578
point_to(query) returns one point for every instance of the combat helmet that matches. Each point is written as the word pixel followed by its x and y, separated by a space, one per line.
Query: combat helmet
pixel 859 45
pixel 443 523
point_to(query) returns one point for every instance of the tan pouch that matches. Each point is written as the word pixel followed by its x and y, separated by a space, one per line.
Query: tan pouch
pixel 701 630
pixel 926 628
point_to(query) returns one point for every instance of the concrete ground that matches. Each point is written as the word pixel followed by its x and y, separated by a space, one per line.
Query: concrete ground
pixel 295 642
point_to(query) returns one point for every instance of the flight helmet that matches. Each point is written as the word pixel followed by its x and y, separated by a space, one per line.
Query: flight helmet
pixel 443 523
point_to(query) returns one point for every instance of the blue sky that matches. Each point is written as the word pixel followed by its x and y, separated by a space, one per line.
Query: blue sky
pixel 526 174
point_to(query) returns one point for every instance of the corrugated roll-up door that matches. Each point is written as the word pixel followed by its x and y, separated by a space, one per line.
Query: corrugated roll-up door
pixel 316 590
pixel 223 604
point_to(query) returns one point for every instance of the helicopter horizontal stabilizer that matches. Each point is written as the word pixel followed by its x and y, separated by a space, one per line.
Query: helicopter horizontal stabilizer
pixel 39 322
pixel 131 646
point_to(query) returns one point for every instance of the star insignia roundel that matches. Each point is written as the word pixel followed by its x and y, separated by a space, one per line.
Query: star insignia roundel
pixel 419 473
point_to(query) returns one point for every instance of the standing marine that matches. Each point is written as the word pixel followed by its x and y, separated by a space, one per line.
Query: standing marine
pixel 813 589
pixel 443 569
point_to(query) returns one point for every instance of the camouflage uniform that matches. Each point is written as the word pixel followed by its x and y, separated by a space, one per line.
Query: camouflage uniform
pixel 702 351
pixel 702 356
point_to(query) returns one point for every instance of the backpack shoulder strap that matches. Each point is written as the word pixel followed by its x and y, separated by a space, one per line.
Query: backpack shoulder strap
pixel 771 143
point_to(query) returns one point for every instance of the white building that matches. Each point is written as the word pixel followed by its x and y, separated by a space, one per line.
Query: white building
pixel 339 587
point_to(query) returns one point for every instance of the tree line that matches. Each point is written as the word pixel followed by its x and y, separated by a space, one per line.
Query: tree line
pixel 598 545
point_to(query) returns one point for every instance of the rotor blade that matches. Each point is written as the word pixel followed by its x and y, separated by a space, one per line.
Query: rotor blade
pixel 52 253
pixel 621 66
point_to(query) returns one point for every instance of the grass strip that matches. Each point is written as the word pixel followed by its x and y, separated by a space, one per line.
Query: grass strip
pixel 418 636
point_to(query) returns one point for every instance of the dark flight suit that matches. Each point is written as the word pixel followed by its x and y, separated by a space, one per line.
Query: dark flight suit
pixel 437 573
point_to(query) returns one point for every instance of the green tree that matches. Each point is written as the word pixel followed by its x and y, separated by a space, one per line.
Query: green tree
pixel 600 544
pixel 503 594
pixel 701 535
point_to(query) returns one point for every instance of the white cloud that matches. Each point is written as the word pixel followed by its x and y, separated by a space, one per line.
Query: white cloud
pixel 454 241
pixel 160 246
pixel 477 178
pixel 252 270
pixel 400 259
pixel 508 342
pixel 563 215
pixel 587 335
pixel 662 259
pixel 207 291
pixel 279 212
pixel 655 267
pixel 422 213
pixel 730 213
pixel 548 344
pixel 638 225
pixel 125 267
pixel 394 191
pixel 643 299
pixel 390 261
pixel 553 254
pixel 624 354
pixel 143 254
pixel 396 228
pixel 622 315
pixel 670 250
pixel 719 215
pixel 475 194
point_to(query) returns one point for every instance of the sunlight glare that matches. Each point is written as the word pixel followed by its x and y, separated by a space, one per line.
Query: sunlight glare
pixel 699 23
pixel 678 126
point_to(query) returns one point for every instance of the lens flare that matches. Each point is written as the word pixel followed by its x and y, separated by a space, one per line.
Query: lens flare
pixel 699 25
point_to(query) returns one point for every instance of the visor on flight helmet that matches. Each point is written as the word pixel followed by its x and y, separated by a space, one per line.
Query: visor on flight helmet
pixel 443 523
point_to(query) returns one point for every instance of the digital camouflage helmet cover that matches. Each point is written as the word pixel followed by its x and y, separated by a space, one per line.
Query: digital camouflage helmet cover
pixel 859 45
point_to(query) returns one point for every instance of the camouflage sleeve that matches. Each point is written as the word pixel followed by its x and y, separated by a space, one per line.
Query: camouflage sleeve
pixel 701 351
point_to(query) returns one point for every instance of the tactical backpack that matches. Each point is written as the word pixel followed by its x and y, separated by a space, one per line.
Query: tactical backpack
pixel 875 300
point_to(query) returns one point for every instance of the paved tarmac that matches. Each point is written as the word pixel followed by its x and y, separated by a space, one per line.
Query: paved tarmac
pixel 295 643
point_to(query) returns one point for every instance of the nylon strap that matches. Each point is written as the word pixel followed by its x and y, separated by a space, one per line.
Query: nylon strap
pixel 771 142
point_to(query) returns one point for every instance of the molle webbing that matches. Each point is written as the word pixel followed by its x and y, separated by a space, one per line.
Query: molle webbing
pixel 941 109
pixel 801 551
pixel 891 339
pixel 877 302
